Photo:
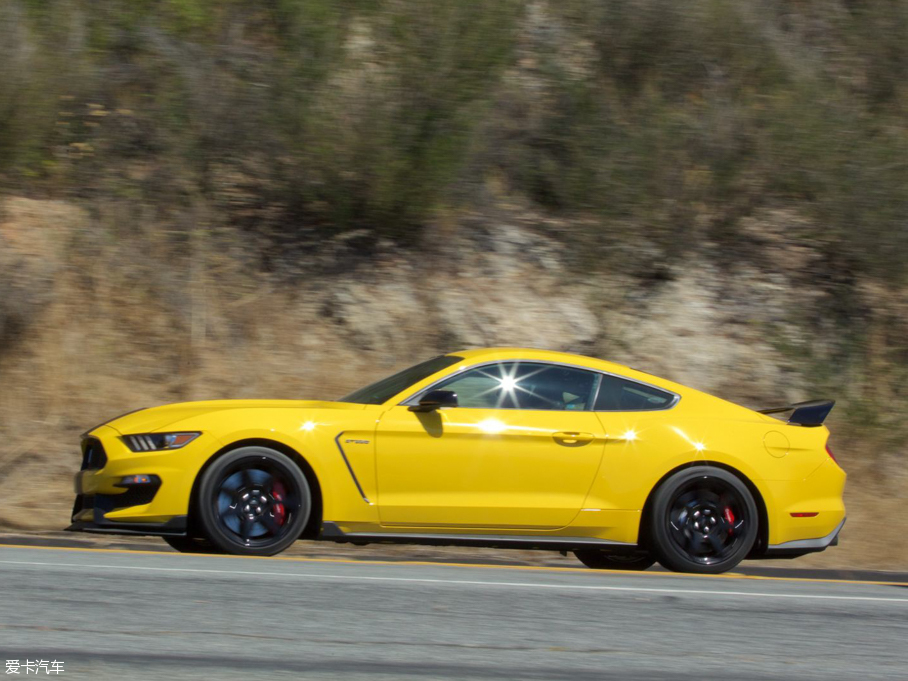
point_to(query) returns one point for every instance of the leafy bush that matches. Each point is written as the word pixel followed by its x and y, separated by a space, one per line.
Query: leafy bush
pixel 301 118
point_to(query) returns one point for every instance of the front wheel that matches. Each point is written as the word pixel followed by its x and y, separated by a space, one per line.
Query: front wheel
pixel 253 501
pixel 704 520
pixel 600 560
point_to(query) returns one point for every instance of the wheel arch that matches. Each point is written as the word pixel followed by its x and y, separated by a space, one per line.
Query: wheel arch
pixel 762 515
pixel 313 525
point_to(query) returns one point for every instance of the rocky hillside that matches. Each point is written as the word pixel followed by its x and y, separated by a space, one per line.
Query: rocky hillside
pixel 228 199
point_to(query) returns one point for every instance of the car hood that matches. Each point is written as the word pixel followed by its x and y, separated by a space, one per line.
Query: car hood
pixel 156 418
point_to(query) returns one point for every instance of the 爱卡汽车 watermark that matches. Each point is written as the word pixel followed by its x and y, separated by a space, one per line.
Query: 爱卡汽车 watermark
pixel 34 666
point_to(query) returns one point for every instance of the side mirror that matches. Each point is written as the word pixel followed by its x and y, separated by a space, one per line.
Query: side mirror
pixel 435 399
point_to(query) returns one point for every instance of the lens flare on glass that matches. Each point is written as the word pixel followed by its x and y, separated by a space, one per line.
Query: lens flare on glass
pixel 508 383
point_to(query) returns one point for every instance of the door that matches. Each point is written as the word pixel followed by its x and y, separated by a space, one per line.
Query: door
pixel 520 451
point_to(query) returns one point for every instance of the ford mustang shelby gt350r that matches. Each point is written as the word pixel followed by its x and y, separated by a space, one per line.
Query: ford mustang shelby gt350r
pixel 496 447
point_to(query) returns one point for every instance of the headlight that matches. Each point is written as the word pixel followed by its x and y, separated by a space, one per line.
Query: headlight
pixel 152 442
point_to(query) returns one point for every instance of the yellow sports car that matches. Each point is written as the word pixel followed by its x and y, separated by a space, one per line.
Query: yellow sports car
pixel 496 447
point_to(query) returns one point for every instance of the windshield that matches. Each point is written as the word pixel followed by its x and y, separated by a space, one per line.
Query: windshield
pixel 383 390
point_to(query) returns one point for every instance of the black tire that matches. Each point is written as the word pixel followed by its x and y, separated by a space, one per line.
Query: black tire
pixel 601 560
pixel 189 544
pixel 253 501
pixel 703 520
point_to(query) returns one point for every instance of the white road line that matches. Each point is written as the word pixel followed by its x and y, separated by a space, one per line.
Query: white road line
pixel 466 582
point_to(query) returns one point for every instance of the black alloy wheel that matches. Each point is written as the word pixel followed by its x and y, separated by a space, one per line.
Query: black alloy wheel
pixel 602 560
pixel 254 501
pixel 704 519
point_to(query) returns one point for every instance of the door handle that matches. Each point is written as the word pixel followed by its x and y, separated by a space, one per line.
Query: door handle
pixel 573 439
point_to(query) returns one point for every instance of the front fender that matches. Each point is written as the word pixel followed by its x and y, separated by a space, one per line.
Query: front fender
pixel 311 434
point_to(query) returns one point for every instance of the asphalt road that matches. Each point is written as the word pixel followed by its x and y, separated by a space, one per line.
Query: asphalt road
pixel 144 615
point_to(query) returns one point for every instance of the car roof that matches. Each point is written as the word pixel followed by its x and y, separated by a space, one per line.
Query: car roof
pixel 490 354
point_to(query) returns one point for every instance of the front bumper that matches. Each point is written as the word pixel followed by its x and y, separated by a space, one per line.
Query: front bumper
pixel 175 527
pixel 156 508
pixel 89 512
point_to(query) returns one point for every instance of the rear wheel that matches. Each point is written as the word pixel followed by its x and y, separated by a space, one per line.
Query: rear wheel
pixel 253 501
pixel 600 560
pixel 704 520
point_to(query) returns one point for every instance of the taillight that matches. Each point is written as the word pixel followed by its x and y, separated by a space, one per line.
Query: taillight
pixel 831 455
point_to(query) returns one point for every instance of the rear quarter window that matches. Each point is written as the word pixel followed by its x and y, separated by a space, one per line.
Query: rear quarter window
pixel 619 394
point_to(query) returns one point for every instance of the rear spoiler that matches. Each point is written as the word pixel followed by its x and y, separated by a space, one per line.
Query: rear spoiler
pixel 811 413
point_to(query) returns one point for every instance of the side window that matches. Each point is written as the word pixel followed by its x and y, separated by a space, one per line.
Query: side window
pixel 618 394
pixel 524 385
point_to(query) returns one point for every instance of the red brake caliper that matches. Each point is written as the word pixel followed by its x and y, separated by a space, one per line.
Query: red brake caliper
pixel 730 517
pixel 278 493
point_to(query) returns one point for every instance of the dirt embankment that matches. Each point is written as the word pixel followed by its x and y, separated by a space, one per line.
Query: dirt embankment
pixel 92 327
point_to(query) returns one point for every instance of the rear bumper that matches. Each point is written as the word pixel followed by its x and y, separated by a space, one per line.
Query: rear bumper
pixel 800 547
pixel 805 515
